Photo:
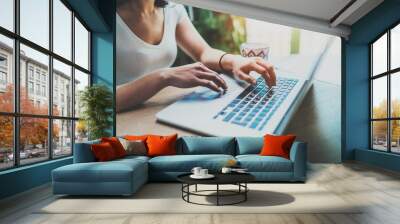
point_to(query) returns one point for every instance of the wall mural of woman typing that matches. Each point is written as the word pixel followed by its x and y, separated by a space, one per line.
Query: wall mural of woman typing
pixel 148 34
pixel 190 71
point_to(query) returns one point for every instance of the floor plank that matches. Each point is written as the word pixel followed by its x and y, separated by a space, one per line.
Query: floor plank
pixel 378 190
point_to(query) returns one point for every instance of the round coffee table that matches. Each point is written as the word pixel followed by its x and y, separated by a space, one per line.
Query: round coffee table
pixel 238 179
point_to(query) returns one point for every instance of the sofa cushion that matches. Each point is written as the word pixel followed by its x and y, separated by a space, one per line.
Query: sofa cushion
pixel 136 137
pixel 185 163
pixel 134 147
pixel 192 145
pixel 103 152
pixel 159 145
pixel 116 145
pixel 249 145
pixel 257 163
pixel 112 171
pixel 278 145
pixel 132 159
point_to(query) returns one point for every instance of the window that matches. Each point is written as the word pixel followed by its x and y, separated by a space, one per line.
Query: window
pixel 81 81
pixel 385 94
pixel 3 72
pixel 34 21
pixel 3 61
pixel 30 87
pixel 40 129
pixel 3 78
pixel 38 89
pixel 33 142
pixel 44 91
pixel 81 45
pixel 62 74
pixel 6 142
pixel 30 72
pixel 6 73
pixel 7 14
pixel 38 74
pixel 395 47
pixel 62 31
pixel 62 137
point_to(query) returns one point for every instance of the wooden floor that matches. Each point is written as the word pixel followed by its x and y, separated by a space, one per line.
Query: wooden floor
pixel 379 189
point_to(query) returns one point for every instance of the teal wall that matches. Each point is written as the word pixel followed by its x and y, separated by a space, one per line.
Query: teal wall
pixel 99 15
pixel 103 55
pixel 103 64
pixel 356 82
pixel 24 178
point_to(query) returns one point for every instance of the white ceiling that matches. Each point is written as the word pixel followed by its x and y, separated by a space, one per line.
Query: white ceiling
pixel 321 9
pixel 313 15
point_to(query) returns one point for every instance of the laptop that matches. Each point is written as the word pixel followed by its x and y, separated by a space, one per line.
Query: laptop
pixel 244 110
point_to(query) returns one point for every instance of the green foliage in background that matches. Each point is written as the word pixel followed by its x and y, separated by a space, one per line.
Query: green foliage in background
pixel 379 128
pixel 295 41
pixel 96 102
pixel 221 31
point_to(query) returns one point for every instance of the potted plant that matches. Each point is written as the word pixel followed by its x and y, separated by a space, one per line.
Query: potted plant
pixel 96 103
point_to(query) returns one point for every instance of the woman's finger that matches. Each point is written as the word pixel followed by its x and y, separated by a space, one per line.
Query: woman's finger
pixel 257 68
pixel 267 78
pixel 264 72
pixel 246 77
pixel 213 77
pixel 209 84
pixel 271 71
pixel 206 69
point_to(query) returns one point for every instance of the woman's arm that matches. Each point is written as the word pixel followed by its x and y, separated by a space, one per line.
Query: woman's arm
pixel 191 42
pixel 138 91
pixel 135 92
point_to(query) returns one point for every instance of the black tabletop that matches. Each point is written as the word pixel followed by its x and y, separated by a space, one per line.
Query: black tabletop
pixel 220 178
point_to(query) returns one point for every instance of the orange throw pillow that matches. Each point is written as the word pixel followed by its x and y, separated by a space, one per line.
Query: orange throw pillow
pixel 103 152
pixel 116 145
pixel 136 137
pixel 277 145
pixel 161 145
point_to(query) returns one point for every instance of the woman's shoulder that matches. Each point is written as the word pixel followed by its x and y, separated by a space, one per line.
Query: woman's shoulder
pixel 176 9
pixel 174 6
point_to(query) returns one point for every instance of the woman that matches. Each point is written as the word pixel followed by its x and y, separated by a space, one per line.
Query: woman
pixel 148 33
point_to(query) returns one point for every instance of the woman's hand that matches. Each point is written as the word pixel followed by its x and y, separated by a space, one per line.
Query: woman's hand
pixel 241 68
pixel 193 75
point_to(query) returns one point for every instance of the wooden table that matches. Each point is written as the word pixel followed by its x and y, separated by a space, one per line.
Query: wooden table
pixel 142 120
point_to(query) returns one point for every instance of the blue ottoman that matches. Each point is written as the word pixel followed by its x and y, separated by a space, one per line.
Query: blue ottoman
pixel 119 177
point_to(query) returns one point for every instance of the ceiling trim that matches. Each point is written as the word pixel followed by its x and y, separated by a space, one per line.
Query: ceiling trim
pixel 270 15
pixel 346 12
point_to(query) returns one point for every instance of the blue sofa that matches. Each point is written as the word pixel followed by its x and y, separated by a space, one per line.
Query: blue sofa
pixel 125 176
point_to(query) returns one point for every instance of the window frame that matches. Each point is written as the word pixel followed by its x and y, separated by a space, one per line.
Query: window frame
pixel 16 115
pixel 388 74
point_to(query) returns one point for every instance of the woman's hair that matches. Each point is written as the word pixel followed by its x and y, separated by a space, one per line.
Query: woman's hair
pixel 157 3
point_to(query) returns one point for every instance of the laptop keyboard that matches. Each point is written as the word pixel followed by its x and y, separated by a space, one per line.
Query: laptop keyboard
pixel 256 104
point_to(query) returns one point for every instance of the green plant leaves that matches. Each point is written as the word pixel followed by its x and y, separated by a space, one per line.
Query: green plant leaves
pixel 96 102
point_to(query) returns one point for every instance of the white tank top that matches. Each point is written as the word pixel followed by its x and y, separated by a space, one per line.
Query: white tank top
pixel 136 58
